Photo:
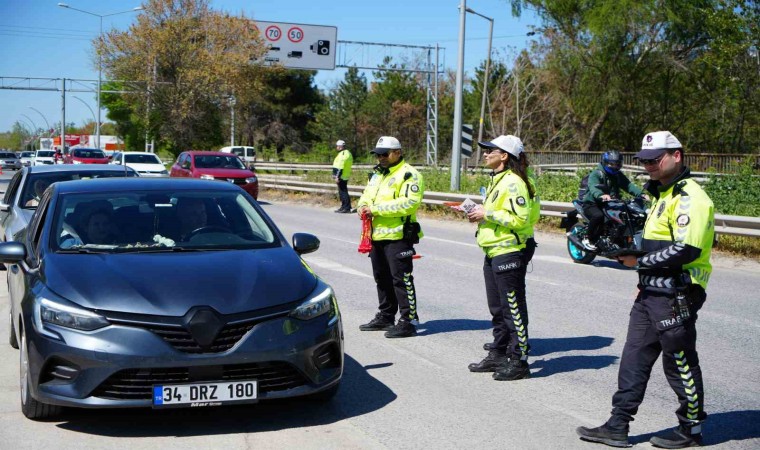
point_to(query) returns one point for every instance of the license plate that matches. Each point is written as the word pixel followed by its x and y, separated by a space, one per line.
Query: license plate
pixel 204 394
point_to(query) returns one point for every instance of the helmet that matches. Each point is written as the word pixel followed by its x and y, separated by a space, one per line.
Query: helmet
pixel 612 161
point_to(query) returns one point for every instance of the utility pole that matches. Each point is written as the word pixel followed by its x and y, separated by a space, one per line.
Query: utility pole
pixel 456 151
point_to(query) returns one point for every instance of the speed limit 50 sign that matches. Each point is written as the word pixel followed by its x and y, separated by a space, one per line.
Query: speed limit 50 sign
pixel 299 46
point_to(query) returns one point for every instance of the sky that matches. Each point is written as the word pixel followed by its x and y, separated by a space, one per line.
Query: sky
pixel 38 39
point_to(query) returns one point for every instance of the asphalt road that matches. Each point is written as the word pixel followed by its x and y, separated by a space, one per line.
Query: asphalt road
pixel 417 392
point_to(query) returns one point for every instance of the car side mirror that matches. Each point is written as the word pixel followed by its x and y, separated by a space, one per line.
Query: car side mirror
pixel 304 243
pixel 12 252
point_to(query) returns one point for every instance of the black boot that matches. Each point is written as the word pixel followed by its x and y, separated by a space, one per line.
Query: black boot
pixel 488 346
pixel 490 363
pixel 514 370
pixel 604 435
pixel 379 323
pixel 680 437
pixel 403 329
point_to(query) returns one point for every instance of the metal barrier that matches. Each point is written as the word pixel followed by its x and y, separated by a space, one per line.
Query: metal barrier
pixel 724 224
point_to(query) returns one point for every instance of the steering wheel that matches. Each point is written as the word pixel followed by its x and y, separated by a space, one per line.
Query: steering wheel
pixel 207 229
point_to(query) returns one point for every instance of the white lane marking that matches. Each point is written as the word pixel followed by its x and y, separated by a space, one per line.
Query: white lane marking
pixel 356 242
pixel 450 241
pixel 325 263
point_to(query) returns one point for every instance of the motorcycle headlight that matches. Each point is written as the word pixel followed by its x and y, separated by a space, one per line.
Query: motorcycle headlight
pixel 67 316
pixel 252 179
pixel 316 305
pixel 207 177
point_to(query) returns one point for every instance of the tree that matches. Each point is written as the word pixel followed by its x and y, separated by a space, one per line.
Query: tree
pixel 343 115
pixel 183 60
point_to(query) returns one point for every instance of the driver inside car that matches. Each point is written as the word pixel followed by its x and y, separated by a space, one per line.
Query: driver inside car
pixel 192 216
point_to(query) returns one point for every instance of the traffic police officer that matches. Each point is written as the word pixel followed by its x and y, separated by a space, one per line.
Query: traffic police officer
pixel 391 199
pixel 673 275
pixel 504 226
pixel 341 173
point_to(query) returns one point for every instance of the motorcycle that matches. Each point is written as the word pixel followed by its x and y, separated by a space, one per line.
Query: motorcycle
pixel 622 229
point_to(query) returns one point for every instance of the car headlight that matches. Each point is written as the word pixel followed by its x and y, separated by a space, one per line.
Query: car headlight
pixel 207 177
pixel 67 316
pixel 316 305
pixel 164 172
pixel 252 179
pixel 77 162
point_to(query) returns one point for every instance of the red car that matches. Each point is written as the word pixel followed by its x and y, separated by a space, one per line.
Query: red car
pixel 216 166
pixel 82 155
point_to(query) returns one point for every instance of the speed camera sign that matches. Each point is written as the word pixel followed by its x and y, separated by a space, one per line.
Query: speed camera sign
pixel 299 46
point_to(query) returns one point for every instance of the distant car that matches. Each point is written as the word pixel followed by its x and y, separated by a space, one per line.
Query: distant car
pixel 43 157
pixel 123 315
pixel 246 154
pixel 85 156
pixel 9 160
pixel 27 185
pixel 216 166
pixel 26 158
pixel 145 163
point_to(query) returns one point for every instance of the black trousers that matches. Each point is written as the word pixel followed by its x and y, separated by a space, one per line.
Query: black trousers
pixel 504 276
pixel 595 220
pixel 655 328
pixel 392 268
pixel 345 199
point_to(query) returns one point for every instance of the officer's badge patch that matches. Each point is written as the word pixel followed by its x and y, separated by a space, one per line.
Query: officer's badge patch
pixel 415 188
pixel 495 196
pixel 661 209
pixel 682 220
pixel 521 201
pixel 393 180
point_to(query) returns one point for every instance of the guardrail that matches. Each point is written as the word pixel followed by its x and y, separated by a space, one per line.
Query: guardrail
pixel 724 224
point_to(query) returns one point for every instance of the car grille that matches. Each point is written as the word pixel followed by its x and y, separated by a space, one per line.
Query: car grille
pixel 137 384
pixel 181 339
pixel 238 181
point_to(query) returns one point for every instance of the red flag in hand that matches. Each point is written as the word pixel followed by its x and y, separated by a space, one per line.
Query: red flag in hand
pixel 365 243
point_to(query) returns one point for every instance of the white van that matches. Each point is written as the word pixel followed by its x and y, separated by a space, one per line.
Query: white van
pixel 247 154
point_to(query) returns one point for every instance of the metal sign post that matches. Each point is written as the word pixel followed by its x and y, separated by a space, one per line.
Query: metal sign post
pixel 299 46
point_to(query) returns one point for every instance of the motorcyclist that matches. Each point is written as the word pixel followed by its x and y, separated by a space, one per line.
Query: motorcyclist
pixel 604 183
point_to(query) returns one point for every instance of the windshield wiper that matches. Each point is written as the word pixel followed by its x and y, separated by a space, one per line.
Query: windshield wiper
pixel 85 250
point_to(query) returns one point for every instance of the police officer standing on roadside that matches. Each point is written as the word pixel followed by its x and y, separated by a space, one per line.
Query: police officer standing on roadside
pixel 341 173
pixel 391 199
pixel 505 224
pixel 673 275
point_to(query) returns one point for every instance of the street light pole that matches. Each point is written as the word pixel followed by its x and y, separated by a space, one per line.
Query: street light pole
pixel 88 107
pixel 232 101
pixel 456 150
pixel 43 118
pixel 485 82
pixel 100 55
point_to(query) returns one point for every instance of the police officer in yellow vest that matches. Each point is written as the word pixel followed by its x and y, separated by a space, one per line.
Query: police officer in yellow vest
pixel 505 224
pixel 341 174
pixel 391 198
pixel 673 275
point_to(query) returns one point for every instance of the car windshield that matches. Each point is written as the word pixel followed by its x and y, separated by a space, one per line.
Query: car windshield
pixel 36 183
pixel 159 221
pixel 141 159
pixel 45 153
pixel 89 153
pixel 218 162
pixel 7 155
pixel 27 154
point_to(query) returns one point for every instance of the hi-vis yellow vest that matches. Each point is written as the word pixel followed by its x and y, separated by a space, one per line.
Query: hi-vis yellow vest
pixel 343 162
pixel 508 211
pixel 391 198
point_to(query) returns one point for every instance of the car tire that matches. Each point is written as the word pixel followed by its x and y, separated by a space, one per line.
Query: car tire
pixel 12 335
pixel 30 407
pixel 326 395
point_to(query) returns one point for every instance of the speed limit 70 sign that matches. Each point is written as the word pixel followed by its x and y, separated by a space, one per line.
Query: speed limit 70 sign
pixel 299 46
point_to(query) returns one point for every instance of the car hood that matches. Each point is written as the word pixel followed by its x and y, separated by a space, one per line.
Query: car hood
pixel 91 160
pixel 225 173
pixel 147 167
pixel 169 284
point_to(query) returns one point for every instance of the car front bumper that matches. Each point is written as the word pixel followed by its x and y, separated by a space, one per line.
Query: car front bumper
pixel 116 366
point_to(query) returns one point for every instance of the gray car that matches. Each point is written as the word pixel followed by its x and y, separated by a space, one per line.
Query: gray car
pixel 165 293
pixel 27 185
pixel 9 160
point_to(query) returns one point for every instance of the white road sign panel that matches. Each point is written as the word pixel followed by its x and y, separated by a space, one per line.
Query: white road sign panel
pixel 299 46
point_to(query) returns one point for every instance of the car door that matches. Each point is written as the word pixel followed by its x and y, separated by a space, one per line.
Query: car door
pixel 7 205
pixel 177 166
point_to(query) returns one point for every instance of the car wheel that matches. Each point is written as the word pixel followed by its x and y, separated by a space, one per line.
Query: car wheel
pixel 12 335
pixel 326 395
pixel 30 407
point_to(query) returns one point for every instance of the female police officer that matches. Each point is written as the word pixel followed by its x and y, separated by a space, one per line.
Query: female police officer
pixel 504 226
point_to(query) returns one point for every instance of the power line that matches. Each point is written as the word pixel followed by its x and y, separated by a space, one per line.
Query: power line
pixel 44 37
pixel 47 28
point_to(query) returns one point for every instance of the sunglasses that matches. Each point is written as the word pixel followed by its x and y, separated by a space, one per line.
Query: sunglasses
pixel 649 162
pixel 488 150
pixel 384 155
